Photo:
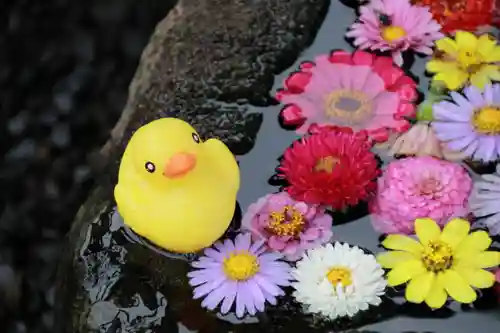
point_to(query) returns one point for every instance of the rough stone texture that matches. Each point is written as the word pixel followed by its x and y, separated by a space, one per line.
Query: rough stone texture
pixel 208 59
pixel 206 62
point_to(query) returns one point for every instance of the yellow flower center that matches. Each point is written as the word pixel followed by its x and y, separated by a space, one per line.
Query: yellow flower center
pixel 240 266
pixel 392 33
pixel 437 256
pixel 326 164
pixel 487 120
pixel 348 106
pixel 288 222
pixel 340 275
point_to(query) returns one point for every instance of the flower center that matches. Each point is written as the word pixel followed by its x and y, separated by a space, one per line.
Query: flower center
pixel 487 120
pixel 429 186
pixel 288 222
pixel 326 164
pixel 392 33
pixel 240 266
pixel 349 106
pixel 340 275
pixel 470 61
pixel 437 256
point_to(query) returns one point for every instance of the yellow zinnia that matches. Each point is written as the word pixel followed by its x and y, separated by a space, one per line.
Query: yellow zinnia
pixel 444 263
pixel 466 58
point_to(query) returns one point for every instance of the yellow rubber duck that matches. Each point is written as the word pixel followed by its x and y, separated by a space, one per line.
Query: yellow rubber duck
pixel 174 189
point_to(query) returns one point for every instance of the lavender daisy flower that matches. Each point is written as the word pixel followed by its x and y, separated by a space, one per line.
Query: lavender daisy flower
pixel 484 201
pixel 470 123
pixel 239 272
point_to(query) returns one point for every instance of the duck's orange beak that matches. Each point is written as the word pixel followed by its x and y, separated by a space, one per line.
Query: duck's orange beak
pixel 179 165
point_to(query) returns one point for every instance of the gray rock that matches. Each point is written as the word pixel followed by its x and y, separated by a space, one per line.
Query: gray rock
pixel 205 63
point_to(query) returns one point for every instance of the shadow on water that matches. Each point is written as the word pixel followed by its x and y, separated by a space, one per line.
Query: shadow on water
pixel 133 285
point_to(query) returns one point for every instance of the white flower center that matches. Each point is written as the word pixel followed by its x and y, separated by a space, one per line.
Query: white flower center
pixel 339 275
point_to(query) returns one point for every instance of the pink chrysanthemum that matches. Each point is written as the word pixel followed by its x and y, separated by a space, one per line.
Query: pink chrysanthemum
pixel 358 90
pixel 395 26
pixel 419 187
pixel 288 226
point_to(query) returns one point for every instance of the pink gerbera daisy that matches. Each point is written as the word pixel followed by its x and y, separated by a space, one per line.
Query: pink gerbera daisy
pixel 359 90
pixel 395 26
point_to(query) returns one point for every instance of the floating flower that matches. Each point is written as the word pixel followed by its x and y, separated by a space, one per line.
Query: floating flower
pixel 417 187
pixel 330 168
pixel 439 264
pixel 485 199
pixel 395 26
pixel 239 273
pixel 421 140
pixel 471 122
pixel 338 280
pixel 359 90
pixel 466 58
pixel 466 15
pixel 288 226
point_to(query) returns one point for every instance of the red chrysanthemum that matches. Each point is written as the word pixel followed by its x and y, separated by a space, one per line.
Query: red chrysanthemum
pixel 331 168
pixel 358 90
pixel 466 15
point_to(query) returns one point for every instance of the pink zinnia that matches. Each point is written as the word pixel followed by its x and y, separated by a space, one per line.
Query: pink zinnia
pixel 357 90
pixel 288 226
pixel 395 26
pixel 419 187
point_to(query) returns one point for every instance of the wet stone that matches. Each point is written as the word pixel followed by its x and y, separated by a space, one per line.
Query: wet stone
pixel 206 63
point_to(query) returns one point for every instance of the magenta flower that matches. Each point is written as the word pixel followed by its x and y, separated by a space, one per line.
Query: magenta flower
pixel 419 187
pixel 395 26
pixel 288 226
pixel 240 273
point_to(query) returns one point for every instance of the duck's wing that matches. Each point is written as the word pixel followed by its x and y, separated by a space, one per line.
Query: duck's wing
pixel 225 161
pixel 128 202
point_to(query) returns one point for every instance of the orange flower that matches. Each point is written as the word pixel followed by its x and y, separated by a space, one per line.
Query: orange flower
pixel 466 15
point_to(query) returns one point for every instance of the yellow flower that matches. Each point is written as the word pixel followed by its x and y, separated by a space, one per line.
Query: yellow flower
pixel 466 58
pixel 439 264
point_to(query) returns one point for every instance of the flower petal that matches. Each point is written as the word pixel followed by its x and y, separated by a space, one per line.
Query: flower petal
pixel 418 288
pixel 486 259
pixel 390 259
pixel 480 79
pixel 457 287
pixel 426 230
pixel 477 278
pixel 405 272
pixel 403 243
pixel 455 232
pixel 477 241
pixel 448 46
pixel 466 40
pixel 437 296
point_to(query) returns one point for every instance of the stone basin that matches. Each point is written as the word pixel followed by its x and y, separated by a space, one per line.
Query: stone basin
pixel 114 281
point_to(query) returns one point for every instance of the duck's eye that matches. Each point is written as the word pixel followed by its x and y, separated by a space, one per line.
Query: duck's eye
pixel 150 167
pixel 196 138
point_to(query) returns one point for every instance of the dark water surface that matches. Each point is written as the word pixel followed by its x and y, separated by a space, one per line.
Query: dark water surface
pixel 132 286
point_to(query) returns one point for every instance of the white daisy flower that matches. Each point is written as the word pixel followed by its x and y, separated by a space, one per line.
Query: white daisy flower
pixel 338 280
pixel 485 199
